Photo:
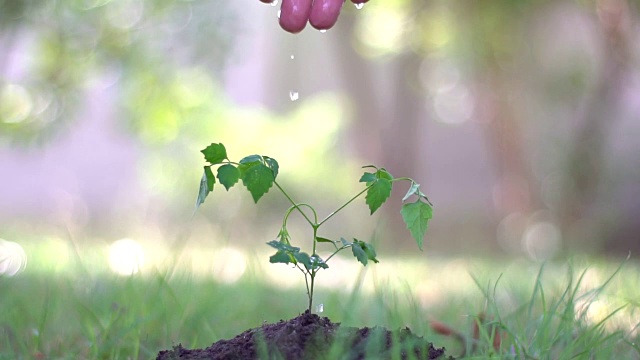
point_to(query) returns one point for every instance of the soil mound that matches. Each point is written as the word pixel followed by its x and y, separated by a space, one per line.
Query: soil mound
pixel 312 337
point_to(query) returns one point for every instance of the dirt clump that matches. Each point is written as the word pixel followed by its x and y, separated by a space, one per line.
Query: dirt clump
pixel 312 337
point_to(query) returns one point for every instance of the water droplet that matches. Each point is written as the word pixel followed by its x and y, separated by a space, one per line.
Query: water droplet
pixel 279 11
pixel 293 95
pixel 320 308
pixel 323 31
pixel 292 57
pixel 274 3
pixel 359 6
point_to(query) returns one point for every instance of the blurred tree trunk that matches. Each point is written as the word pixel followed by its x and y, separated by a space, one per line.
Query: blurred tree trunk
pixel 585 162
pixel 387 120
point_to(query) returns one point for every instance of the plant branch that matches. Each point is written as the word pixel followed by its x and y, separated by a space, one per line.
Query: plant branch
pixel 337 251
pixel 294 204
pixel 344 205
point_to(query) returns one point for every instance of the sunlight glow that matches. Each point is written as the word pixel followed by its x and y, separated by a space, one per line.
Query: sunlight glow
pixel 126 257
pixel 228 265
pixel 381 29
pixel 13 258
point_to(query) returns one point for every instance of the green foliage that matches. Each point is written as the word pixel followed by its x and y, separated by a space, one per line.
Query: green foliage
pixel 258 174
pixel 416 215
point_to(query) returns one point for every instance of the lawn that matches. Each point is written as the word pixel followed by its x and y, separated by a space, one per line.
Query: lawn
pixel 82 310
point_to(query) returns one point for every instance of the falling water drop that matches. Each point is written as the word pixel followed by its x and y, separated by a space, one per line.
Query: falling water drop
pixel 359 6
pixel 323 31
pixel 274 3
pixel 292 57
pixel 320 308
pixel 279 11
pixel 293 95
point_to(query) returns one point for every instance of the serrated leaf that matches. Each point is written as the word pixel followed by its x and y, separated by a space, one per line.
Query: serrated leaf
pixel 228 175
pixel 214 153
pixel 273 165
pixel 414 189
pixel 303 258
pixel 281 246
pixel 317 262
pixel 377 194
pixel 368 177
pixel 359 253
pixel 416 216
pixel 211 180
pixel 280 257
pixel 203 191
pixel 250 159
pixel 384 174
pixel 258 179
pixel 368 249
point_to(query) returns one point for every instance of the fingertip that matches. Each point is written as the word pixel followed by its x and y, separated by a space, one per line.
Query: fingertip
pixel 325 13
pixel 294 15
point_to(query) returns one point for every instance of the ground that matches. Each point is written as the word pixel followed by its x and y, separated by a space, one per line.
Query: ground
pixel 312 337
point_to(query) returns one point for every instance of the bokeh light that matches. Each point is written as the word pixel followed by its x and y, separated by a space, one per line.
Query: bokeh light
pixel 228 265
pixel 13 258
pixel 16 103
pixel 126 257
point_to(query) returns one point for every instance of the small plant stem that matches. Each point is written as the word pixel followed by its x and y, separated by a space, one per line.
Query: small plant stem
pixel 294 203
pixel 313 279
pixel 344 205
pixel 337 251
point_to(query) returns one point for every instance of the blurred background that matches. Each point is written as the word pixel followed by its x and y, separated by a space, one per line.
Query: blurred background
pixel 519 118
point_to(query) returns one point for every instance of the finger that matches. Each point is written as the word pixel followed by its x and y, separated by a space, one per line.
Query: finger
pixel 324 13
pixel 294 14
pixel 359 1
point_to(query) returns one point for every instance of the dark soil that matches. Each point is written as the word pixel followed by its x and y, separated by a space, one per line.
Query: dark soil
pixel 311 337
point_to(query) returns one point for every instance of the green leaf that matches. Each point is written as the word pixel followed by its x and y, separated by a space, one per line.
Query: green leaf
pixel 273 165
pixel 378 193
pixel 250 159
pixel 325 240
pixel 367 250
pixel 281 246
pixel 228 175
pixel 304 259
pixel 316 262
pixel 384 174
pixel 258 178
pixel 370 251
pixel 204 190
pixel 416 216
pixel 211 180
pixel 360 254
pixel 368 177
pixel 283 236
pixel 280 257
pixel 344 242
pixel 214 153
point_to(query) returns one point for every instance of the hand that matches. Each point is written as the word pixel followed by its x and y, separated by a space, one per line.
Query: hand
pixel 321 14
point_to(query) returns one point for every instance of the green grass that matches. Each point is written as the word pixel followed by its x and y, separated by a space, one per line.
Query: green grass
pixel 556 311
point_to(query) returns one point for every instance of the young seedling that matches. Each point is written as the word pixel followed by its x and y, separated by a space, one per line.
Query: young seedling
pixel 258 174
